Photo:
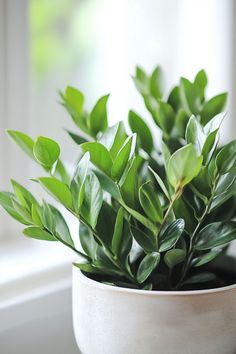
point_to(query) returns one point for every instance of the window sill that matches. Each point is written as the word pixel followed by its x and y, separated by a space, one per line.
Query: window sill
pixel 30 268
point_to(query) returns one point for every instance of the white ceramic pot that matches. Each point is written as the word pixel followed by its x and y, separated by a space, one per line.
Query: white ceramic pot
pixel 112 320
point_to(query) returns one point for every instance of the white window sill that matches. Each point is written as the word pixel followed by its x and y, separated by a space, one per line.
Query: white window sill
pixel 30 268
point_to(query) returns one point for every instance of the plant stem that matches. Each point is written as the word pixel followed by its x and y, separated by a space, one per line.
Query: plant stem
pixel 193 238
pixel 170 207
pixel 108 252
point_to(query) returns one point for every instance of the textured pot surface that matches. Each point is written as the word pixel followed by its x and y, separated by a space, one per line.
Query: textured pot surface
pixel 111 320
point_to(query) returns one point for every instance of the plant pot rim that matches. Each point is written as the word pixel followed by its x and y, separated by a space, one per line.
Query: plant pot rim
pixel 93 283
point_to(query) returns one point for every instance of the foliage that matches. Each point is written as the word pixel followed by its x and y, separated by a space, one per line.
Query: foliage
pixel 150 217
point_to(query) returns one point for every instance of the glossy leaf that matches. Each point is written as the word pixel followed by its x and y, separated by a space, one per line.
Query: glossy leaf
pixel 78 181
pixel 156 83
pixel 113 138
pixel 38 233
pixel 147 266
pixel 118 232
pixel 189 97
pixel 87 241
pixel 200 83
pixel 200 278
pixel 23 141
pixel 183 166
pixel 46 151
pixel 215 235
pixel 206 258
pixel 150 202
pixel 57 189
pixel 122 158
pixel 212 107
pixel 6 201
pixel 98 116
pixel 143 239
pixel 160 182
pixel 129 186
pixel 99 156
pixel 171 235
pixel 92 201
pixel 139 126
pixel 174 257
pixel 226 158
pixel 195 134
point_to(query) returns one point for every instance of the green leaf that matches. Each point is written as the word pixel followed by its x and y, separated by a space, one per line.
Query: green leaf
pixel 77 138
pixel 35 214
pixel 60 226
pixel 171 235
pixel 143 239
pixel 183 166
pixel 164 116
pixel 129 187
pixel 215 123
pixel 118 232
pixel 183 211
pixel 73 100
pixel 106 223
pixel 99 156
pixel 174 98
pixel 98 116
pixel 25 198
pixel 174 257
pixel 200 278
pixel 215 235
pixel 93 199
pixel 150 202
pixel 210 145
pixel 25 214
pixel 156 83
pixel 23 141
pixel 212 107
pixel 206 258
pixel 46 151
pixel 38 233
pixel 147 266
pixel 89 268
pixel 113 138
pixel 200 83
pixel 139 126
pixel 121 240
pixel 6 201
pixel 220 199
pixel 87 241
pixel 189 98
pixel 160 182
pixel 57 189
pixel 60 171
pixel 226 158
pixel 195 134
pixel 108 185
pixel 122 158
pixel 166 154
pixel 141 81
pixel 78 181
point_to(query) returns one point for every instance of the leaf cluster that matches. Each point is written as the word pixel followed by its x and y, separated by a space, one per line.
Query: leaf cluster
pixel 152 215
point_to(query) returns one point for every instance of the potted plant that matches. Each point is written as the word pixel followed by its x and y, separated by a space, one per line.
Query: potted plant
pixel 156 217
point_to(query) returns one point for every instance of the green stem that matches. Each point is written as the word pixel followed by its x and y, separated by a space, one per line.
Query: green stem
pixel 108 252
pixel 193 238
pixel 170 207
pixel 70 246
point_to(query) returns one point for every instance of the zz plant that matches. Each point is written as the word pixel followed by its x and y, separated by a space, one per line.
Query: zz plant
pixel 153 212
